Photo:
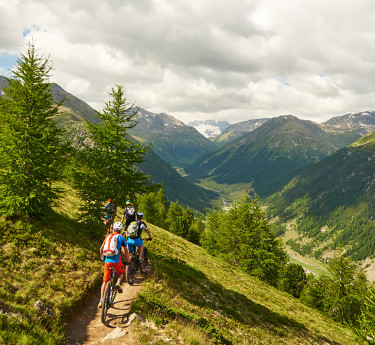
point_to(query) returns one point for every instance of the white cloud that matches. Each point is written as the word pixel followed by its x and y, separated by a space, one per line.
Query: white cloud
pixel 210 59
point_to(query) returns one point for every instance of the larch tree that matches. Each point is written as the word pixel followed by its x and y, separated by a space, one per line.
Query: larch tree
pixel 242 236
pixel 108 166
pixel 30 149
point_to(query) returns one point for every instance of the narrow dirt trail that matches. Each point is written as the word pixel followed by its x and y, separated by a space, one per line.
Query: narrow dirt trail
pixel 86 327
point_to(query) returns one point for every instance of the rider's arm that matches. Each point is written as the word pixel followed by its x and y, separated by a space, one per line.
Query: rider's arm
pixel 126 251
pixel 102 246
pixel 148 233
pixel 123 215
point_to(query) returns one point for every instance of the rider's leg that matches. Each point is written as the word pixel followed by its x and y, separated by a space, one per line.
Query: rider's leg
pixel 141 251
pixel 102 290
pixel 106 277
pixel 120 277
pixel 119 267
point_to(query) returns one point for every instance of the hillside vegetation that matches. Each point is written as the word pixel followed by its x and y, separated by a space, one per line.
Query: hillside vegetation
pixel 53 263
pixel 192 292
pixel 190 295
pixel 331 204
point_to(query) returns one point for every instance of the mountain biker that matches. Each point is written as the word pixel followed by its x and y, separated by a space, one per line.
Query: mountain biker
pixel 109 209
pixel 114 261
pixel 129 213
pixel 137 241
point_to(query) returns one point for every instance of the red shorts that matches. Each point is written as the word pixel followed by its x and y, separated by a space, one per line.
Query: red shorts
pixel 119 267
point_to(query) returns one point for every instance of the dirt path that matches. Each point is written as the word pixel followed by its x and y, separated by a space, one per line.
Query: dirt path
pixel 86 327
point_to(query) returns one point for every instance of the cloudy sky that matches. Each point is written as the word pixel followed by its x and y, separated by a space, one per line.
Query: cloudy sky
pixel 231 60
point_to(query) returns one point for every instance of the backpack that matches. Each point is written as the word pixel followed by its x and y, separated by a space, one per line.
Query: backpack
pixel 130 211
pixel 133 229
pixel 109 208
pixel 110 245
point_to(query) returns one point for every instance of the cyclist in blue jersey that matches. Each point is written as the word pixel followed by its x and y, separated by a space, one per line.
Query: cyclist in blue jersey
pixel 136 240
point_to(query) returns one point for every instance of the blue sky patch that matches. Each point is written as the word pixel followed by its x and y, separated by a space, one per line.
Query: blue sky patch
pixel 7 62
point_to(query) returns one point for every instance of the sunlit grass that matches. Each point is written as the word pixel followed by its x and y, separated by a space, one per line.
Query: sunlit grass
pixel 222 304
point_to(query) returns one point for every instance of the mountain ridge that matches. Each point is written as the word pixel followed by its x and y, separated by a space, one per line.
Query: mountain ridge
pixel 236 130
pixel 269 156
pixel 175 142
pixel 332 203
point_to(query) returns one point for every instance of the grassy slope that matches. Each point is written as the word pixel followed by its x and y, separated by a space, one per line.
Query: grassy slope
pixel 191 297
pixel 55 261
pixel 192 290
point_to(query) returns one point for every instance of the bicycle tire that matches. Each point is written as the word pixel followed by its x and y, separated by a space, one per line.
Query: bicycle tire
pixel 106 302
pixel 113 289
pixel 131 271
pixel 144 263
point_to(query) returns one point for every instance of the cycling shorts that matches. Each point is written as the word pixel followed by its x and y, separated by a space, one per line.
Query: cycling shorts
pixel 134 242
pixel 118 266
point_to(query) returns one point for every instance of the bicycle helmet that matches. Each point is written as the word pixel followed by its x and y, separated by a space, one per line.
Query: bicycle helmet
pixel 128 202
pixel 139 215
pixel 117 226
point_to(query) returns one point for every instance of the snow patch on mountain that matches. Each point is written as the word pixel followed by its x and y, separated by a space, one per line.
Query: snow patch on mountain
pixel 209 128
pixel 208 131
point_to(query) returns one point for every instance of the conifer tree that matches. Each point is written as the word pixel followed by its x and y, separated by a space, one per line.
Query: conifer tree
pixel 177 221
pixel 293 279
pixel 108 164
pixel 30 153
pixel 153 205
pixel 242 236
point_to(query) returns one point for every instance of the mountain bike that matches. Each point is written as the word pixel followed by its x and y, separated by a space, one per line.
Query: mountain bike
pixel 135 264
pixel 109 294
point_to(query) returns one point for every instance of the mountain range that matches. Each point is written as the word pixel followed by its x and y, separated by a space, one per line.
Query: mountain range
pixel 270 155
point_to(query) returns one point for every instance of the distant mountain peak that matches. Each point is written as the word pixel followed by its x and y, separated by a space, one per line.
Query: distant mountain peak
pixel 209 128
pixel 364 120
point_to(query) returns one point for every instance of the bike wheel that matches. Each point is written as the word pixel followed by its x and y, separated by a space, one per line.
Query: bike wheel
pixel 113 289
pixel 144 263
pixel 131 271
pixel 106 301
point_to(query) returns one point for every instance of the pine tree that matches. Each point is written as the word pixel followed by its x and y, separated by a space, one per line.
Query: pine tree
pixel 177 220
pixel 30 152
pixel 108 166
pixel 242 236
pixel 153 206
pixel 293 279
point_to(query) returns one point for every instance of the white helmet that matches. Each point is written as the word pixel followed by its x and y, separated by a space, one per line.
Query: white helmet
pixel 117 226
